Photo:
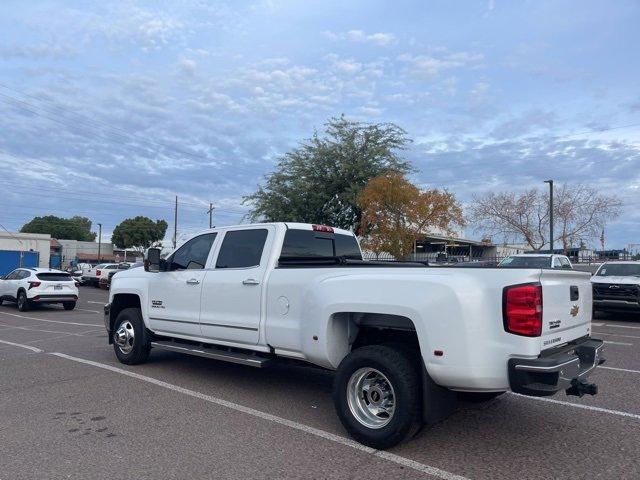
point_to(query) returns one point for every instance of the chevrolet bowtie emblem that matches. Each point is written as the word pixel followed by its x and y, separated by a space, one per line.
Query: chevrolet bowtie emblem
pixel 574 310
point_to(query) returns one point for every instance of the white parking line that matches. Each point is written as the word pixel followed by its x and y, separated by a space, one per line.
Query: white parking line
pixel 594 324
pixel 580 406
pixel 617 326
pixel 84 310
pixel 28 347
pixel 619 343
pixel 615 335
pixel 621 369
pixel 50 321
pixel 93 301
pixel 16 327
pixel 391 457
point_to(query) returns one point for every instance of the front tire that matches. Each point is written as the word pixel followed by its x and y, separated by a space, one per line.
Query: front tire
pixel 23 301
pixel 69 305
pixel 376 394
pixel 131 342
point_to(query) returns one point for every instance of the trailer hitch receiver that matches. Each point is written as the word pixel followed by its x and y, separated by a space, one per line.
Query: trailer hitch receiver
pixel 580 387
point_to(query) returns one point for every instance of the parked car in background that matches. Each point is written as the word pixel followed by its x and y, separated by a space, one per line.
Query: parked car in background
pixel 93 276
pixel 537 260
pixel 105 278
pixel 616 287
pixel 30 286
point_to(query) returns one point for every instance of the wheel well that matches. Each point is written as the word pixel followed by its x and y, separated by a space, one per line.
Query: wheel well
pixel 380 328
pixel 21 289
pixel 119 303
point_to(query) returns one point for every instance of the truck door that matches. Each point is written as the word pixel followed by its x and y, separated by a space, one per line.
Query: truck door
pixel 232 291
pixel 174 294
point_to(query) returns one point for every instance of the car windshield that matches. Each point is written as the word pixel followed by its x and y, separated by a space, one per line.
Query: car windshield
pixel 620 270
pixel 526 262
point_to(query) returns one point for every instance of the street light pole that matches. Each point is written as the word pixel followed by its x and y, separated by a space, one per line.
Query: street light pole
pixel 550 182
pixel 99 240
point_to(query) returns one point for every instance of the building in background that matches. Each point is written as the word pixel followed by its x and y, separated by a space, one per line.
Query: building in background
pixel 24 250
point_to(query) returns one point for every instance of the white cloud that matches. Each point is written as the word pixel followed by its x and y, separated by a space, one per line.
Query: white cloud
pixel 359 36
pixel 188 65
pixel 429 65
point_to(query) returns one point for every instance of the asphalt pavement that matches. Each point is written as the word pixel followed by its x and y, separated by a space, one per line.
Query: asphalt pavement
pixel 70 410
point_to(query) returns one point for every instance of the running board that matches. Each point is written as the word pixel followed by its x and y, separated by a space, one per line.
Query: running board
pixel 214 353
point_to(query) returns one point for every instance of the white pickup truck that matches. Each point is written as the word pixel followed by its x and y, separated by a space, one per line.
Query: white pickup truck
pixel 403 338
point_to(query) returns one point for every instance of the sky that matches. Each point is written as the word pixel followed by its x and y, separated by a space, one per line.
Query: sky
pixel 111 109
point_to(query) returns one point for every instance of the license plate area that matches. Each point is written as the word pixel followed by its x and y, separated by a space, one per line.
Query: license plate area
pixel 57 287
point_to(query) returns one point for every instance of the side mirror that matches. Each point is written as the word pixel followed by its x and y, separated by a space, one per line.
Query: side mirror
pixel 152 260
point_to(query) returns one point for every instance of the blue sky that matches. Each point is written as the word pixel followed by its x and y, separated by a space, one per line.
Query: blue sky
pixel 110 109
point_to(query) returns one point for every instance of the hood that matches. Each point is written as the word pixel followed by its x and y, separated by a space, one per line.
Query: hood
pixel 631 280
pixel 130 273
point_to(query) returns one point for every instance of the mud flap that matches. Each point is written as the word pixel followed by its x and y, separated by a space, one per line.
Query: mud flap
pixel 438 402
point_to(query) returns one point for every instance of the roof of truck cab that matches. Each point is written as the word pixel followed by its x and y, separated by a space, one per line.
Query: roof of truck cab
pixel 288 225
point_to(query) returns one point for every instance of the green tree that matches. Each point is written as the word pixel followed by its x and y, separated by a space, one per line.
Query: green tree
pixel 74 228
pixel 319 181
pixel 139 233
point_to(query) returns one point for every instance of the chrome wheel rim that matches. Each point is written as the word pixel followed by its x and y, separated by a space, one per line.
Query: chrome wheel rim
pixel 124 337
pixel 371 397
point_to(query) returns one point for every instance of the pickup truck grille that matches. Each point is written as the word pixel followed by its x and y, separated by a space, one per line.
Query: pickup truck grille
pixel 616 291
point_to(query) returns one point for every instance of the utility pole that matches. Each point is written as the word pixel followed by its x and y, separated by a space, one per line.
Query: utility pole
pixel 550 182
pixel 175 224
pixel 210 212
pixel 99 240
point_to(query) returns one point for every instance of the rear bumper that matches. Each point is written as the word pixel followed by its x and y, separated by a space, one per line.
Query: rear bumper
pixel 608 304
pixel 564 368
pixel 52 298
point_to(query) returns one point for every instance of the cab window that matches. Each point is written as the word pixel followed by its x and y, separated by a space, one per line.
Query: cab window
pixel 193 254
pixel 242 248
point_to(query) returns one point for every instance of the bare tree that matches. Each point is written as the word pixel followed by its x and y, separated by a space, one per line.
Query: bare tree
pixel 580 213
pixel 512 216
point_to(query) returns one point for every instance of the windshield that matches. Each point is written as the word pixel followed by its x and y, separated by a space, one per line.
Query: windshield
pixel 526 262
pixel 619 270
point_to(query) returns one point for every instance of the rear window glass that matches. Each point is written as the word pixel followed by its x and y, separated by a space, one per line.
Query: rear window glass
pixel 526 262
pixel 54 277
pixel 307 243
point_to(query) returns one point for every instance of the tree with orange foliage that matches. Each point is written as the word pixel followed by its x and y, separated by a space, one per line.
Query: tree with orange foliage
pixel 395 213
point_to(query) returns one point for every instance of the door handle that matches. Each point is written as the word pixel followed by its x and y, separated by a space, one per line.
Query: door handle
pixel 193 281
pixel 250 281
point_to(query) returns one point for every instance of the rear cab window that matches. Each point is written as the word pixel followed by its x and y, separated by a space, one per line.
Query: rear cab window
pixel 316 244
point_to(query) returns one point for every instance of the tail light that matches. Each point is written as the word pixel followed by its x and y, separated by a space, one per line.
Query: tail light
pixel 98 273
pixel 33 285
pixel 522 309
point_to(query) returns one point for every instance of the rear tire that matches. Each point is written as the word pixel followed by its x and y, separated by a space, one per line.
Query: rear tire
pixel 376 393
pixel 23 301
pixel 69 305
pixel 131 341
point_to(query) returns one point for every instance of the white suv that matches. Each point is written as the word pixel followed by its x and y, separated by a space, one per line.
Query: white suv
pixel 28 286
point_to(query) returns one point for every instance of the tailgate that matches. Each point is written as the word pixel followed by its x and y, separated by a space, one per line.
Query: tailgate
pixel 566 306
